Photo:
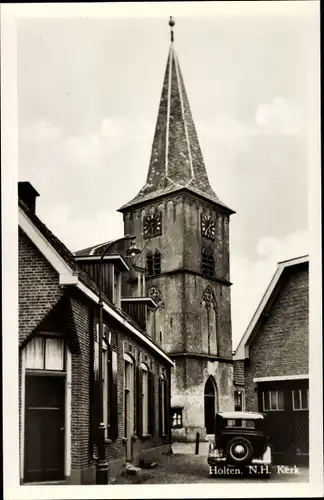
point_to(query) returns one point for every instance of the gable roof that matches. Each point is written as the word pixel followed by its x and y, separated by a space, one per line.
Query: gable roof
pixel 94 249
pixel 242 350
pixel 70 273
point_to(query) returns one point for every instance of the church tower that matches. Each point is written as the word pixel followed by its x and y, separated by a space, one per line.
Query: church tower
pixel 183 229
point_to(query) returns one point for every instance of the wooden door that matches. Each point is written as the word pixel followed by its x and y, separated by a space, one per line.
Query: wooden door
pixel 210 407
pixel 44 428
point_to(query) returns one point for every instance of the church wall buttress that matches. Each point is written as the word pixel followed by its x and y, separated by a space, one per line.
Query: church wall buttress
pixel 170 319
pixel 224 322
pixel 208 330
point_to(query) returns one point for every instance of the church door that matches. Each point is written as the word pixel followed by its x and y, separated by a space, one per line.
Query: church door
pixel 210 406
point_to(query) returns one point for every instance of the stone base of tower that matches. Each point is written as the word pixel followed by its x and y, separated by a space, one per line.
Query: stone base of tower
pixel 189 434
pixel 199 389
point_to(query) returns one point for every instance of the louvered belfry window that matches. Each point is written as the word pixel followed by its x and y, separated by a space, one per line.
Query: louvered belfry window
pixel 208 263
pixel 153 263
pixel 156 263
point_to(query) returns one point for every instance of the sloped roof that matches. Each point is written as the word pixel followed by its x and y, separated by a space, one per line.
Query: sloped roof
pixel 176 158
pixel 83 276
pixel 242 350
pixel 93 250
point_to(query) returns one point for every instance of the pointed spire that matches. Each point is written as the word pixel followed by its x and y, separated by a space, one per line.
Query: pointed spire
pixel 171 24
pixel 176 159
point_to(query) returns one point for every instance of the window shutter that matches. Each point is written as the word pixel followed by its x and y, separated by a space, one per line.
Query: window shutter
pixel 113 396
pixel 151 403
pixel 139 402
pixel 160 406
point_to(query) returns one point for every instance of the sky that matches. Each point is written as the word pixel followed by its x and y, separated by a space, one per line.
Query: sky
pixel 88 96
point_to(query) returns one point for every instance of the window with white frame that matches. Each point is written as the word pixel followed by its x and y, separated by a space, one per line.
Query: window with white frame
pixel 272 400
pixel 176 417
pixel 163 405
pixel 145 399
pixel 105 386
pixel 300 399
pixel 45 353
pixel 128 395
pixel 105 377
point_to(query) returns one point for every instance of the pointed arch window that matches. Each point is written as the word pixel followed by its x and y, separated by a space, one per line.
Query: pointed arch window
pixel 153 263
pixel 207 263
pixel 149 263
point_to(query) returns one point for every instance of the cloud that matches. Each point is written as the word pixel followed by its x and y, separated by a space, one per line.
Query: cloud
pixel 73 175
pixel 94 148
pixel 224 126
pixel 42 131
pixel 279 117
pixel 251 277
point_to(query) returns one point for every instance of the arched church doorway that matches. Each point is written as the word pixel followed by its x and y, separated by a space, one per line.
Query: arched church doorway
pixel 210 405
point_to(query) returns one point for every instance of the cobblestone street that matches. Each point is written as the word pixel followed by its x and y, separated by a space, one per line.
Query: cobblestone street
pixel 185 468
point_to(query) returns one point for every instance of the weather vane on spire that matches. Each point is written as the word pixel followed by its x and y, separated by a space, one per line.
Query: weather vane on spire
pixel 171 24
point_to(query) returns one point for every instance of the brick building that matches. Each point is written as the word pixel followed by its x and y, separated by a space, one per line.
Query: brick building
pixel 184 228
pixel 58 361
pixel 273 355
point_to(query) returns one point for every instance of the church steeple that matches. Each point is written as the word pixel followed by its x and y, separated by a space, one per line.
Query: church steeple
pixel 176 159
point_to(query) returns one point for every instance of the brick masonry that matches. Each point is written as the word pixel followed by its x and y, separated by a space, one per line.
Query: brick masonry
pixel 41 304
pixel 280 347
pixel 38 287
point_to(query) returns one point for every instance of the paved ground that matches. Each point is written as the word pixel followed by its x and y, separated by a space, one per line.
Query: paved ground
pixel 189 468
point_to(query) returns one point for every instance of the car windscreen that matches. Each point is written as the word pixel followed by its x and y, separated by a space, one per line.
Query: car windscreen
pixel 240 422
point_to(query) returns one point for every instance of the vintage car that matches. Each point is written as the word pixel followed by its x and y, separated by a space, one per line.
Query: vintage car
pixel 241 442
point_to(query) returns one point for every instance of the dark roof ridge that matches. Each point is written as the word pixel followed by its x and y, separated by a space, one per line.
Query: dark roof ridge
pixel 69 258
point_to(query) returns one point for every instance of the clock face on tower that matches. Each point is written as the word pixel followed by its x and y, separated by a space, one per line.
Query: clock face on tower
pixel 152 225
pixel 208 226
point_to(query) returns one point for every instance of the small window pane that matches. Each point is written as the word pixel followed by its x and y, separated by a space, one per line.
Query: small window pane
pixel 265 396
pixel 145 400
pixel 105 390
pixel 273 400
pixel 35 354
pixel 163 406
pixel 54 354
pixel 304 399
pixel 238 401
pixel 177 418
pixel 296 402
pixel 230 423
pixel 280 400
pixel 96 360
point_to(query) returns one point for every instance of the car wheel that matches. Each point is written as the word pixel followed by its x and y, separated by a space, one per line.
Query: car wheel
pixel 239 450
